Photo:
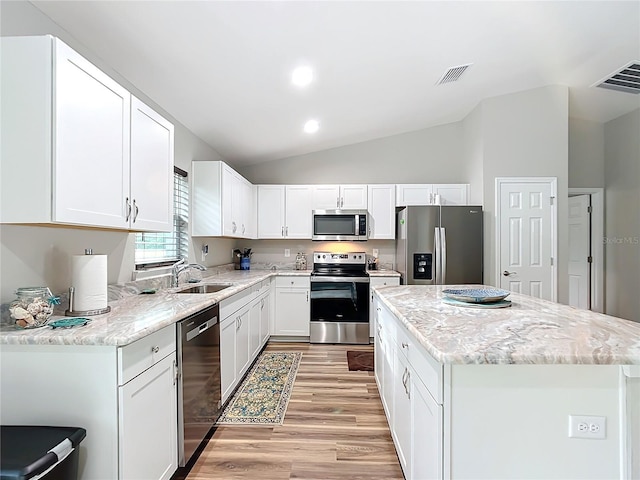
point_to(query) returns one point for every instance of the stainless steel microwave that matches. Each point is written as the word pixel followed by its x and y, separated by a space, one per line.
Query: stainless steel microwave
pixel 340 225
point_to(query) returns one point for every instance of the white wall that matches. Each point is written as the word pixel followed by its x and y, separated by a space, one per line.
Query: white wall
pixel 31 255
pixel 525 134
pixel 432 155
pixel 586 153
pixel 622 219
pixel 474 153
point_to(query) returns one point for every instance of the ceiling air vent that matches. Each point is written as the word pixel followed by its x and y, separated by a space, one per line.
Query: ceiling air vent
pixel 453 74
pixel 626 79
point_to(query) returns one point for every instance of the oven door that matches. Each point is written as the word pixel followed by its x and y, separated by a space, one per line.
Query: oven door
pixel 339 310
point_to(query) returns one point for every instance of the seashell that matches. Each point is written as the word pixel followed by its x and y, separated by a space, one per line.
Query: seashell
pixel 41 317
pixel 19 313
pixel 34 308
pixel 21 323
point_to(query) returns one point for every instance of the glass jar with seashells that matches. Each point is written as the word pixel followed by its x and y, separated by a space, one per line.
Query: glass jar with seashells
pixel 33 306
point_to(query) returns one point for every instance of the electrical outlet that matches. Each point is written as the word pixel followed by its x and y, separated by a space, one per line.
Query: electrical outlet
pixel 287 252
pixel 375 252
pixel 581 426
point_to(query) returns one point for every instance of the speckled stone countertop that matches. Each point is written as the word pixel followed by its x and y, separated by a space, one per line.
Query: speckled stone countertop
pixel 136 316
pixel 383 273
pixel 531 331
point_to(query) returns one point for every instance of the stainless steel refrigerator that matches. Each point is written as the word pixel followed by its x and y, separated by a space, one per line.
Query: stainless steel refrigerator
pixel 439 245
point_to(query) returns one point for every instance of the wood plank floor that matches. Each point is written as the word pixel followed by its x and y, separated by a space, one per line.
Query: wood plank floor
pixel 334 428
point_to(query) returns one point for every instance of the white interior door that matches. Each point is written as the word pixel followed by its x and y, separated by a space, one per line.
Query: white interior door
pixel 526 236
pixel 579 252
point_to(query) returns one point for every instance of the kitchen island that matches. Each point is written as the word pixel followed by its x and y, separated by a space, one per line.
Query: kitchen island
pixel 488 393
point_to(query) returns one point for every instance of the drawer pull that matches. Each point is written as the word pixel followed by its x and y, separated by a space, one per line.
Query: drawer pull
pixel 155 349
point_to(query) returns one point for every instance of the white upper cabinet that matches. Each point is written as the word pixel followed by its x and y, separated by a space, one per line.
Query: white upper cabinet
pixel 451 194
pixel 271 213
pixel 66 140
pixel 151 169
pixel 298 211
pixel 432 194
pixel 284 211
pixel 414 194
pixel 223 201
pixel 331 197
pixel 382 212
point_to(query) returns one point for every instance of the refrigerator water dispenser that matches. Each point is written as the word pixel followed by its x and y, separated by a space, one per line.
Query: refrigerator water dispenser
pixel 422 266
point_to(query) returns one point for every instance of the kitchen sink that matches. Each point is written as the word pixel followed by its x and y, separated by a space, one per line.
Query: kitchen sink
pixel 205 288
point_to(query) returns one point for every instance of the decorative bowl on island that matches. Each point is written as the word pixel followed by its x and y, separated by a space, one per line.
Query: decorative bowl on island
pixel 476 295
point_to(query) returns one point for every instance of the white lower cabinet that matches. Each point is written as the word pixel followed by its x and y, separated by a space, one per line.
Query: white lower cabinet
pixel 415 418
pixel 265 317
pixel 292 313
pixel 401 416
pixel 147 423
pixel 254 327
pixel 244 330
pixel 378 281
pixel 426 433
pixel 228 370
pixel 125 397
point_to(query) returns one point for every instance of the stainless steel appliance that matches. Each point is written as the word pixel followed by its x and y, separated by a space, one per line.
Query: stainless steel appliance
pixel 339 298
pixel 199 388
pixel 338 225
pixel 439 245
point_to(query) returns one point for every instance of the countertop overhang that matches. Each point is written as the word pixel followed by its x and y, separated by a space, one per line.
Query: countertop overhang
pixel 531 331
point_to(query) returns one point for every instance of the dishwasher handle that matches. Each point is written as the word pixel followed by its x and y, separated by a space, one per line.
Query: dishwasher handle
pixel 203 327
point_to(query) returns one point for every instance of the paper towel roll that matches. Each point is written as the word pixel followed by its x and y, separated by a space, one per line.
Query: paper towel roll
pixel 89 278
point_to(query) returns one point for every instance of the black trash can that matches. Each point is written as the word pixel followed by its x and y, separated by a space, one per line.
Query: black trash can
pixel 50 453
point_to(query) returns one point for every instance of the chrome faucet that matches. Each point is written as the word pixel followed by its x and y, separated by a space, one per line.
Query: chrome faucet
pixel 179 267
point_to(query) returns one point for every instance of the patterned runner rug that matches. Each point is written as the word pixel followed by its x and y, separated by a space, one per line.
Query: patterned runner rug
pixel 263 396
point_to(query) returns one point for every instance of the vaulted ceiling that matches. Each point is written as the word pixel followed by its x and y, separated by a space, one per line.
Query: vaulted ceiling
pixel 223 68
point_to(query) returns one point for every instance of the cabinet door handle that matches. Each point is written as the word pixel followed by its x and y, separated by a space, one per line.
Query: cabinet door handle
pixel 286 231
pixel 338 202
pixel 405 345
pixel 282 231
pixel 128 209
pixel 307 296
pixel 262 304
pixel 233 227
pixel 407 385
pixel 175 372
pixel 155 349
pixel 243 228
pixel 342 202
pixel 135 211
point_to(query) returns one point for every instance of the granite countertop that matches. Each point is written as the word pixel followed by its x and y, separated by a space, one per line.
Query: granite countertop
pixel 383 273
pixel 136 316
pixel 531 331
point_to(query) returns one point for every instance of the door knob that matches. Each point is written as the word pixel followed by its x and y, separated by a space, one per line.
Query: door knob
pixel 506 273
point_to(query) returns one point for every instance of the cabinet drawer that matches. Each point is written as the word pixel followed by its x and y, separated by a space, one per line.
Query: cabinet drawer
pixel 236 302
pixel 428 371
pixel 384 281
pixel 292 282
pixel 142 354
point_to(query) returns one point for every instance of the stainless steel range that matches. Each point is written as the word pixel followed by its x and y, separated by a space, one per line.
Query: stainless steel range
pixel 339 298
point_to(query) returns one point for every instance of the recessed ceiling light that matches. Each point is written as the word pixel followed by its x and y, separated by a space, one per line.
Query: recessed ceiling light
pixel 302 76
pixel 311 126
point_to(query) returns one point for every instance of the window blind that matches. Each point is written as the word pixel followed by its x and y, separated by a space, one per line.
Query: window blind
pixel 163 248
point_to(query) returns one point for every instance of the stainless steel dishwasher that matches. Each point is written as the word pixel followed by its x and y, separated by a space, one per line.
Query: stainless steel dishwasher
pixel 199 390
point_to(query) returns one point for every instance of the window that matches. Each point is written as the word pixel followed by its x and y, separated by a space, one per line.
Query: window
pixel 154 249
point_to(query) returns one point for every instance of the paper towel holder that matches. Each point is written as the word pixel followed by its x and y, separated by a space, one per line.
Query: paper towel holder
pixel 74 313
